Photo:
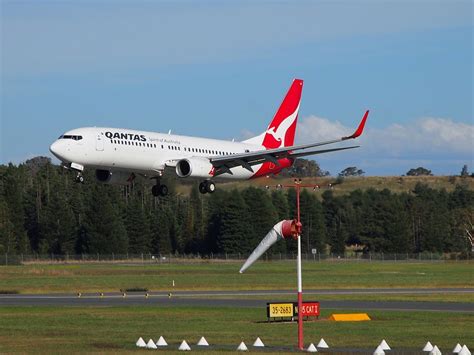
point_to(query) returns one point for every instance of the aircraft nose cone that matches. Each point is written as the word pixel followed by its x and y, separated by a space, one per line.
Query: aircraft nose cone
pixel 54 148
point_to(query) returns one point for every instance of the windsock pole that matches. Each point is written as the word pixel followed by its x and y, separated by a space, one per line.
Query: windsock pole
pixel 281 230
pixel 298 268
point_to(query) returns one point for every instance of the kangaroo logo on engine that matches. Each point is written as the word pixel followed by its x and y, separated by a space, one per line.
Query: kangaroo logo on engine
pixel 129 136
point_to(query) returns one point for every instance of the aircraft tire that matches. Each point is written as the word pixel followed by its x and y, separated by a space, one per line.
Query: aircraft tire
pixel 210 187
pixel 203 187
pixel 163 190
pixel 155 190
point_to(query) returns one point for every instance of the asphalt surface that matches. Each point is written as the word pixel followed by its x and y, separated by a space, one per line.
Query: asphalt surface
pixel 246 299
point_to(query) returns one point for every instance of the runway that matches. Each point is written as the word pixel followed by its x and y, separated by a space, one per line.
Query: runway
pixel 251 298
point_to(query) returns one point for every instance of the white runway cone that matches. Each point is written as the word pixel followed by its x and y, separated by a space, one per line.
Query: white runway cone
pixel 384 345
pixel 184 346
pixel 161 342
pixel 428 347
pixel 457 348
pixel 464 350
pixel 203 342
pixel 242 347
pixel 322 344
pixel 435 351
pixel 258 343
pixel 151 344
pixel 311 348
pixel 140 343
pixel 379 351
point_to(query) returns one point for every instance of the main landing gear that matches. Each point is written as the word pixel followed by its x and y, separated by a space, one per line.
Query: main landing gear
pixel 159 190
pixel 207 186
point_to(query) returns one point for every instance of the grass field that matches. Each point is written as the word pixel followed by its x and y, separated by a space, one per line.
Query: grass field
pixel 115 329
pixel 105 329
pixel 225 276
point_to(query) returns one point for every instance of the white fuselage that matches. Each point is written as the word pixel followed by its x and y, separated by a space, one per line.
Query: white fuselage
pixel 147 153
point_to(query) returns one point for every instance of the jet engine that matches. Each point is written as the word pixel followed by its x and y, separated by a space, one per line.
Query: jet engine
pixel 194 167
pixel 114 177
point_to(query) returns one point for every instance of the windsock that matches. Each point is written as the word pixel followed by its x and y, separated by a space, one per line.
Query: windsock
pixel 281 230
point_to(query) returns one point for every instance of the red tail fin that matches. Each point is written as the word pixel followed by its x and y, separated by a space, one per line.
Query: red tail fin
pixel 281 131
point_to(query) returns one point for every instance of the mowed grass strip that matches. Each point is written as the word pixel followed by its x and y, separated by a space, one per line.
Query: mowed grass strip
pixel 116 329
pixel 224 276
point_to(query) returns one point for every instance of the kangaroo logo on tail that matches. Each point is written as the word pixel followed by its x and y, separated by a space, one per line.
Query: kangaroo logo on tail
pixel 279 133
pixel 281 130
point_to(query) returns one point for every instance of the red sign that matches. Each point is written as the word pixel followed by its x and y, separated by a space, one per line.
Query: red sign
pixel 309 309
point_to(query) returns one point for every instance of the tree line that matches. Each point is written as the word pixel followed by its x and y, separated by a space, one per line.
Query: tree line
pixel 43 211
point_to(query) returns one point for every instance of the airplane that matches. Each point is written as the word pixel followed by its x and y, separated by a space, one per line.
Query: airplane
pixel 118 155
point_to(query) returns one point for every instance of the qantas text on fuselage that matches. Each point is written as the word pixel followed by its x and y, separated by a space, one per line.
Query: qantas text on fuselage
pixel 118 155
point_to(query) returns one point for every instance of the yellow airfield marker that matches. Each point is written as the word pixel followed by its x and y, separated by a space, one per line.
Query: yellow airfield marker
pixel 349 317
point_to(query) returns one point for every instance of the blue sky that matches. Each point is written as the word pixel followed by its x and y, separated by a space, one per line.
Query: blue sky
pixel 220 69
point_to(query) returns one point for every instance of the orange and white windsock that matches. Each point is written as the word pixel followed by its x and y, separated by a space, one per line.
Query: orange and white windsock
pixel 281 230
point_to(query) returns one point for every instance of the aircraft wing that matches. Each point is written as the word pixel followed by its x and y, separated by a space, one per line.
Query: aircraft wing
pixel 223 164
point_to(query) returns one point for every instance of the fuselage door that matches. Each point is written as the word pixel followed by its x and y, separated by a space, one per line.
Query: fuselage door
pixel 99 143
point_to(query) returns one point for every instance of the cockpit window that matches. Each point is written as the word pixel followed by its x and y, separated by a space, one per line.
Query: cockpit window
pixel 73 137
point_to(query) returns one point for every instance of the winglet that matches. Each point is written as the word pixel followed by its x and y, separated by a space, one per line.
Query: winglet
pixel 359 129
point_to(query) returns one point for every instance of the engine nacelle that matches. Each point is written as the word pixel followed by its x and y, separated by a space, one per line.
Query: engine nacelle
pixel 194 167
pixel 114 177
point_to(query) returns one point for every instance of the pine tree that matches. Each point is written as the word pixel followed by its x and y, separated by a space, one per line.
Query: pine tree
pixel 231 224
pixel 14 181
pixel 161 228
pixel 104 229
pixel 138 230
pixel 262 215
pixel 314 228
pixel 334 217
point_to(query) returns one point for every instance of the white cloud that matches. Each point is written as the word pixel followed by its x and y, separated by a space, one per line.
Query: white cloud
pixel 424 136
pixel 313 128
pixel 430 142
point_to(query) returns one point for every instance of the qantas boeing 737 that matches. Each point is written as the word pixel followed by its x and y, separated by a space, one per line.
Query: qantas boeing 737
pixel 118 155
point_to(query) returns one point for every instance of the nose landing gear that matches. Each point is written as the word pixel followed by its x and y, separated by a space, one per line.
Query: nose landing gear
pixel 207 186
pixel 79 178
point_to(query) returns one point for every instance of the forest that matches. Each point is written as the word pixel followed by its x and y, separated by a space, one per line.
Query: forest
pixel 42 210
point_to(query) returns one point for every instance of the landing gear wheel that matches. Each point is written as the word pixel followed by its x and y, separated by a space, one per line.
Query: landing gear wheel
pixel 207 186
pixel 203 187
pixel 79 178
pixel 159 190
pixel 211 187
pixel 163 190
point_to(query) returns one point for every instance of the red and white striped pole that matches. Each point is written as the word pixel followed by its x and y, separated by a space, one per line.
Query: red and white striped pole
pixel 298 268
pixel 286 229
